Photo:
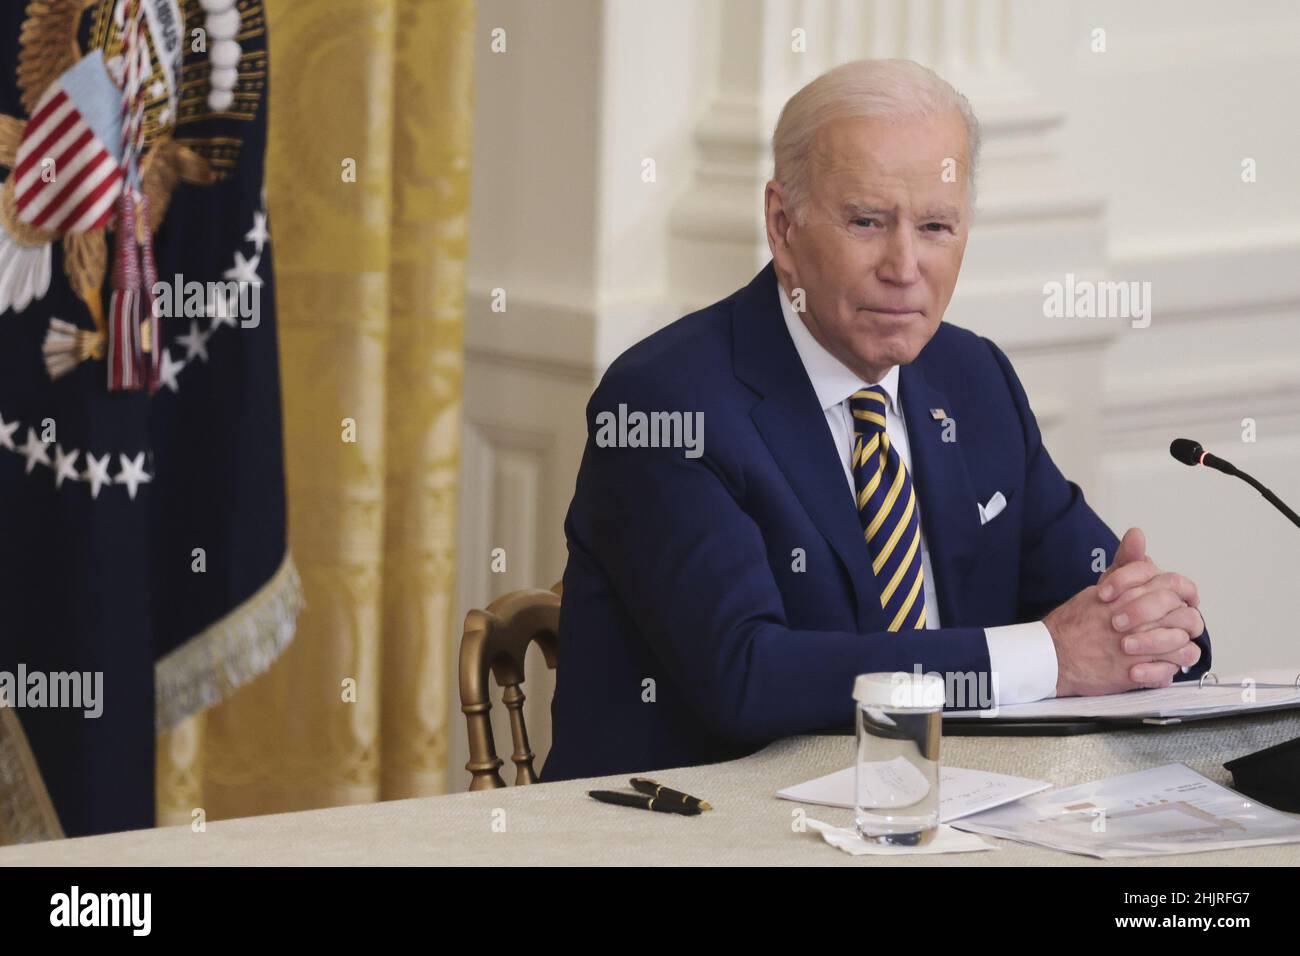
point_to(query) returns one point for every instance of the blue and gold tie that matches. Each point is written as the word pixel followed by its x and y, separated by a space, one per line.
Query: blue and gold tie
pixel 888 510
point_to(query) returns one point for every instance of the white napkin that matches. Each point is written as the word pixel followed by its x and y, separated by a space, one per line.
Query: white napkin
pixel 947 840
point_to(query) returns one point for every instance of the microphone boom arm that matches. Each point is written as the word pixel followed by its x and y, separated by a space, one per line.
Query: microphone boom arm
pixel 1271 498
pixel 1191 453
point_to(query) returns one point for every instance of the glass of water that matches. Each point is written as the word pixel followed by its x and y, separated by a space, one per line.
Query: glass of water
pixel 896 784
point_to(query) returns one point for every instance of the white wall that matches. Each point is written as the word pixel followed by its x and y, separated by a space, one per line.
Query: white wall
pixel 1123 164
pixel 1160 124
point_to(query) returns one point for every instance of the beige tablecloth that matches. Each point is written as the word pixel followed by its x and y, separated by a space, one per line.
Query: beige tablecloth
pixel 558 824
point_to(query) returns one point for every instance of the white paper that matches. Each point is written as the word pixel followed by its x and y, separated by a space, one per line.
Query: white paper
pixel 946 840
pixel 1188 699
pixel 889 784
pixel 1166 810
pixel 961 791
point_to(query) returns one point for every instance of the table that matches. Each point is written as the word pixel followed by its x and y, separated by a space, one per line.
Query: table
pixel 558 824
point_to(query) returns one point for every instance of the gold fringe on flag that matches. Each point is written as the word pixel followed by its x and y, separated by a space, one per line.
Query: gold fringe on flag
pixel 26 813
pixel 210 666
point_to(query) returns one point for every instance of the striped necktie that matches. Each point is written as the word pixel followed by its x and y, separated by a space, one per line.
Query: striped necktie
pixel 888 510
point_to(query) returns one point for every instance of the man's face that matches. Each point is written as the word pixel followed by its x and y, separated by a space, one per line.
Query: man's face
pixel 882 239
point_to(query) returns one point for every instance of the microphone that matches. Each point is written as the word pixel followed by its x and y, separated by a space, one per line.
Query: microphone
pixel 1270 775
pixel 1191 453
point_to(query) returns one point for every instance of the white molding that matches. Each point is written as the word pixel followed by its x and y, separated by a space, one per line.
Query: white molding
pixel 564 343
pixel 533 334
pixel 1198 284
pixel 1202 277
pixel 1207 403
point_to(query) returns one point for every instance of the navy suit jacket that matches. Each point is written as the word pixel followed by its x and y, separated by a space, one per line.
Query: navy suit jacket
pixel 692 631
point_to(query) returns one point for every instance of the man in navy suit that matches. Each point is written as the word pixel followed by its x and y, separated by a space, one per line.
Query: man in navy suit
pixel 816 478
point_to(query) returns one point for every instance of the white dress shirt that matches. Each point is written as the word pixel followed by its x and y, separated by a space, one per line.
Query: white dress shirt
pixel 1021 656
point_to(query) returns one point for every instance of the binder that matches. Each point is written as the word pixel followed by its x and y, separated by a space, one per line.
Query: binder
pixel 1037 725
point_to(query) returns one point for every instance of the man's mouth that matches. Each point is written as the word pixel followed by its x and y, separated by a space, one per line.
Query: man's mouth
pixel 890 311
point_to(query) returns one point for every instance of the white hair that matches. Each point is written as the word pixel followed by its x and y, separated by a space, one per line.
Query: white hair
pixel 893 89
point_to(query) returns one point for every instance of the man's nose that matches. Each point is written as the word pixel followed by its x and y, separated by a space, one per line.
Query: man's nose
pixel 898 265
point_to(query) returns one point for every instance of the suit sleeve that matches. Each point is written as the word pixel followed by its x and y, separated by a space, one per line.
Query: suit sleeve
pixel 1062 534
pixel 691 568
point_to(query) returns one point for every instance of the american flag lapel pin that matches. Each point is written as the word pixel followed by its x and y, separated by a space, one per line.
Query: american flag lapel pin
pixel 938 414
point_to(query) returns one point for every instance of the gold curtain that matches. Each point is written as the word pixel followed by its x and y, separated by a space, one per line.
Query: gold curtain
pixel 370 299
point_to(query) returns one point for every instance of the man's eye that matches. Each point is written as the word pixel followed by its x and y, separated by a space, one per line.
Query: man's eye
pixel 864 222
pixel 938 226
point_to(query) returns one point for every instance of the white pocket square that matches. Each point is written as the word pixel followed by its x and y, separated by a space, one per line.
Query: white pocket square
pixel 994 508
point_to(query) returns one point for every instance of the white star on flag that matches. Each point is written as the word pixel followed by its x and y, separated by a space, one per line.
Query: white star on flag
pixel 132 474
pixel 7 434
pixel 96 473
pixel 195 342
pixel 223 306
pixel 244 270
pixel 168 371
pixel 258 235
pixel 63 465
pixel 36 451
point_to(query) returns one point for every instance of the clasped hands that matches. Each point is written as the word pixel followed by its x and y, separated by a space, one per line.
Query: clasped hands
pixel 1134 628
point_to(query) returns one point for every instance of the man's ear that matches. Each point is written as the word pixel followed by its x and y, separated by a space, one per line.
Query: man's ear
pixel 777 221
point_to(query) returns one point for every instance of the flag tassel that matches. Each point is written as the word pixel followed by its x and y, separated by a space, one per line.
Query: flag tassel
pixel 125 348
pixel 151 332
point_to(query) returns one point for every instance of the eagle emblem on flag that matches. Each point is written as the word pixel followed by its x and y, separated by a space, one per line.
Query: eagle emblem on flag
pixel 62 188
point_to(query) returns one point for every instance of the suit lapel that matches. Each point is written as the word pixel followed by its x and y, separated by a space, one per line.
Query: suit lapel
pixel 792 424
pixel 949 508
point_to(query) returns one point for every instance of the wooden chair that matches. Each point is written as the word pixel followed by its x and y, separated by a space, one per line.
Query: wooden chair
pixel 497 639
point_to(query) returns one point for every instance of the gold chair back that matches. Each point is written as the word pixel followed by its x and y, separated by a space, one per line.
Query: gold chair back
pixel 496 640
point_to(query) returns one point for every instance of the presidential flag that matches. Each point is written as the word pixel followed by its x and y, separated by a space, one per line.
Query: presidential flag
pixel 144 571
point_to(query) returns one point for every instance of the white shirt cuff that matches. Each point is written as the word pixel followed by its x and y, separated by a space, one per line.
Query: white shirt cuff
pixel 1022 658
